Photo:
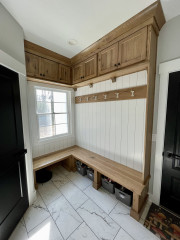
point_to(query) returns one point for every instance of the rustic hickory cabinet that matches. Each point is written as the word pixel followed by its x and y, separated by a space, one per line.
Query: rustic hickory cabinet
pixel 48 69
pixel 126 52
pixel 85 70
pixel 32 65
pixel 64 74
pixel 107 59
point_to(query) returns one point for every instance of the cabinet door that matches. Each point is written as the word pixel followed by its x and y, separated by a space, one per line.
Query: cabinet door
pixel 32 65
pixel 78 73
pixel 133 49
pixel 49 69
pixel 64 74
pixel 107 59
pixel 90 68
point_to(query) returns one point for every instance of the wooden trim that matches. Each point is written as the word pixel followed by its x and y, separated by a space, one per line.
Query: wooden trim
pixel 115 95
pixel 120 72
pixel 31 79
pixel 152 12
pixel 45 53
pixel 150 102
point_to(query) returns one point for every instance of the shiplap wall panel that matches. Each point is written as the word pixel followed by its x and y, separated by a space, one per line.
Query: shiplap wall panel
pixel 113 129
pixel 43 147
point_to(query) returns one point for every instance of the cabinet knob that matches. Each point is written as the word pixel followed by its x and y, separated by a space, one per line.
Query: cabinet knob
pixel 119 63
pixel 115 65
pixel 43 75
pixel 40 74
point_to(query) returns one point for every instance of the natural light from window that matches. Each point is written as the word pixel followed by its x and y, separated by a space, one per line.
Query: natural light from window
pixel 52 112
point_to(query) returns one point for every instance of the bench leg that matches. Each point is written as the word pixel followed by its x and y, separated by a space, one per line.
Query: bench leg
pixel 139 202
pixel 97 180
pixel 70 164
pixel 35 183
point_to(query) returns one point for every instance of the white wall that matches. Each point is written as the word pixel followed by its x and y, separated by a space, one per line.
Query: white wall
pixel 11 36
pixel 12 56
pixel 113 129
pixel 41 147
pixel 168 49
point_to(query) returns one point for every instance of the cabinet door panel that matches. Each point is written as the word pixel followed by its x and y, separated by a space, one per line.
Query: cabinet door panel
pixel 133 49
pixel 107 59
pixel 78 73
pixel 90 67
pixel 49 69
pixel 32 65
pixel 64 74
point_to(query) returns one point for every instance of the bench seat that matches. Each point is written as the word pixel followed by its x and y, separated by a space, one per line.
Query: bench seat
pixel 127 177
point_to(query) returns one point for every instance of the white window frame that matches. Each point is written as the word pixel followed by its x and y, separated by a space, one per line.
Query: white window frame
pixel 68 97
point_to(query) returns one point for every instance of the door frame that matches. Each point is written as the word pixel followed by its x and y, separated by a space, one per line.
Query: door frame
pixel 164 70
pixel 9 62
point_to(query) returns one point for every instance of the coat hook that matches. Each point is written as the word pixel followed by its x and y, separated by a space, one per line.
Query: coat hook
pixel 87 99
pixel 91 85
pixel 80 99
pixel 105 96
pixel 95 98
pixel 132 93
pixel 117 95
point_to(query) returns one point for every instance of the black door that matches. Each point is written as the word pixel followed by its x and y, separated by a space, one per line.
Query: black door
pixel 170 187
pixel 13 185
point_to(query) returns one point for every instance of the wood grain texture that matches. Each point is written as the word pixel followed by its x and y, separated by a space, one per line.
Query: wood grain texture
pixel 45 53
pixel 151 12
pixel 129 178
pixel 116 95
pixel 64 74
pixel 150 102
pixel 48 69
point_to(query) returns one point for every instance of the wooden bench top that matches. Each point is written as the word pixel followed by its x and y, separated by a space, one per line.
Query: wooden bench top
pixel 127 177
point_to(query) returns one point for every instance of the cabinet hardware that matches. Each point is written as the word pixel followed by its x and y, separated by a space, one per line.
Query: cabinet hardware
pixel 40 74
pixel 43 75
pixel 119 64
pixel 115 65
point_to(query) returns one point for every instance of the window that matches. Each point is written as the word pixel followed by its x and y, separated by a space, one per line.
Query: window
pixel 52 112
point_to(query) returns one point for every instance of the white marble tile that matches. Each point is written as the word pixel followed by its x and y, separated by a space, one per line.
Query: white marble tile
pixel 73 194
pixel 59 180
pixel 122 235
pixel 83 232
pixel 130 225
pixel 19 232
pixel 36 214
pixel 99 222
pixel 48 192
pixel 65 216
pixel 47 230
pixel 80 181
pixel 102 198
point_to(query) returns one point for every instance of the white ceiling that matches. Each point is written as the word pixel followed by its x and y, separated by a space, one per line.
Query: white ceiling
pixel 52 23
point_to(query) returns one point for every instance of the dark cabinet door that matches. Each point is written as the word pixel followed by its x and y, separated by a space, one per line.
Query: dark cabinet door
pixel 13 184
pixel 170 187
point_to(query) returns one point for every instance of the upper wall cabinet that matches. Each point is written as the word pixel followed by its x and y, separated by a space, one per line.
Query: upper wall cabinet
pixel 64 74
pixel 90 68
pixel 133 49
pixel 32 65
pixel 85 70
pixel 78 73
pixel 48 69
pixel 107 59
pixel 130 50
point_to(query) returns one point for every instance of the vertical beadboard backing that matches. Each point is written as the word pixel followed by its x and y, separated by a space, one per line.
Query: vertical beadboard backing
pixel 113 129
pixel 40 148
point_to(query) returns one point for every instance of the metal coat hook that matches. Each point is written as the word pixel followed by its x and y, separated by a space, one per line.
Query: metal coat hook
pixel 132 93
pixel 87 99
pixel 117 95
pixel 80 99
pixel 105 96
pixel 95 98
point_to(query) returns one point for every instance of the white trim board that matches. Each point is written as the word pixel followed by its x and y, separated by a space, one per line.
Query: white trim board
pixel 164 70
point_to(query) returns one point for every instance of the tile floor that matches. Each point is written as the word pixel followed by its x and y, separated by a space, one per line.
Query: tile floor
pixel 68 207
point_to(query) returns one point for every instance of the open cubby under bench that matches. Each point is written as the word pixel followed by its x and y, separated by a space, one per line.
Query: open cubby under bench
pixel 125 176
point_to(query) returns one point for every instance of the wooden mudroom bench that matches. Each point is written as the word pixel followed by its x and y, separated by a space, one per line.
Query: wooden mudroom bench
pixel 125 176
